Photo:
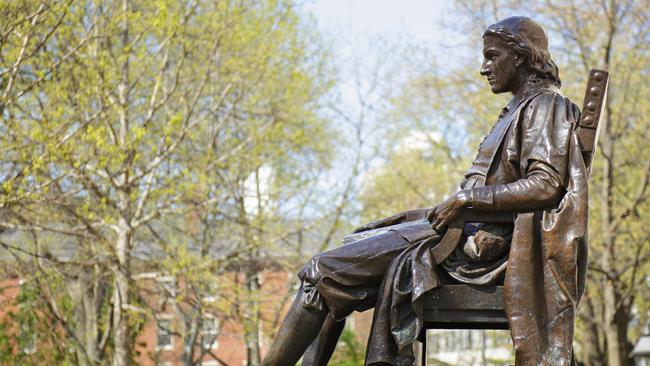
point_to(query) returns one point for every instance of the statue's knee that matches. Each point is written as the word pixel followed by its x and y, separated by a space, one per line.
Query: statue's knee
pixel 315 259
pixel 312 268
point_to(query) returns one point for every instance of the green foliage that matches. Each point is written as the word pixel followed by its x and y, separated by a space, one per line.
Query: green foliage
pixel 6 347
pixel 28 337
pixel 349 351
pixel 127 122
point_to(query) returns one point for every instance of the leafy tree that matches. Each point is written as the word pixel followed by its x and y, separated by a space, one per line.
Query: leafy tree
pixel 122 118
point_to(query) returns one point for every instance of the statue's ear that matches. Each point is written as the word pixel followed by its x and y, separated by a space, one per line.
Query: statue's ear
pixel 519 60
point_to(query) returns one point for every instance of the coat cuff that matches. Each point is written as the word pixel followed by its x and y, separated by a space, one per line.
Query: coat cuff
pixel 482 197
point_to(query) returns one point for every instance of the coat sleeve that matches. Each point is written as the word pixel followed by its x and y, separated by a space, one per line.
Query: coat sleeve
pixel 546 127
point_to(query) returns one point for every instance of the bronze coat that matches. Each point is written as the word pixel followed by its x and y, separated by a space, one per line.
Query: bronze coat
pixel 545 277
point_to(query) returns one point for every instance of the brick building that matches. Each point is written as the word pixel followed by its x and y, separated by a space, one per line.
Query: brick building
pixel 218 339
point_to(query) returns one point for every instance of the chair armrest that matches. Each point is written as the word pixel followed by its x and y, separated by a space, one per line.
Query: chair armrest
pixel 455 230
pixel 470 215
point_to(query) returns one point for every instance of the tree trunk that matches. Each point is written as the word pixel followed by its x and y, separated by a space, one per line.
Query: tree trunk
pixel 616 333
pixel 122 348
pixel 615 328
pixel 91 329
pixel 121 356
pixel 82 291
pixel 592 354
pixel 613 310
pixel 252 319
pixel 75 289
pixel 191 335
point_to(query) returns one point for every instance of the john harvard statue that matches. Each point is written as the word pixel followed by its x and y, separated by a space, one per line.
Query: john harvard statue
pixel 529 165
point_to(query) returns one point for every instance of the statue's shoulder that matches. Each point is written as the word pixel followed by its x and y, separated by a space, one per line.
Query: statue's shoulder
pixel 550 98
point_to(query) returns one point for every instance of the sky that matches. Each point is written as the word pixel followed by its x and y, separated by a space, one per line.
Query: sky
pixel 421 19
pixel 355 29
pixel 366 33
pixel 353 25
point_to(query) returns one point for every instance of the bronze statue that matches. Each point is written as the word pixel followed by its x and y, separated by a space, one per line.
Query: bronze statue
pixel 529 165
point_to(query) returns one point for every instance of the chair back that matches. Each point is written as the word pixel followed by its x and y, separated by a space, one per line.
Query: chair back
pixel 592 112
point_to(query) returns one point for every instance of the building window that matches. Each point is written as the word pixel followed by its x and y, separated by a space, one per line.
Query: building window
pixel 164 334
pixel 167 286
pixel 209 330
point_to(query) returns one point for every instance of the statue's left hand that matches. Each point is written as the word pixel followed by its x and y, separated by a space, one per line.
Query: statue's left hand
pixel 443 214
pixel 395 219
pixel 392 220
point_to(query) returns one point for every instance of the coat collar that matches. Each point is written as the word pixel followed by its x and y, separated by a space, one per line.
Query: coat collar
pixel 529 90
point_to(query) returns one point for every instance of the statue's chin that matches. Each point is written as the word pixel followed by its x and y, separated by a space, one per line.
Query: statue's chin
pixel 497 90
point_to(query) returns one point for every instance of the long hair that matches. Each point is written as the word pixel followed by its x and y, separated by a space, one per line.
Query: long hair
pixel 527 38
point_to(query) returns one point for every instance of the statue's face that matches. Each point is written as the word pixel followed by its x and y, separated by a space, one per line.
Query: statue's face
pixel 500 65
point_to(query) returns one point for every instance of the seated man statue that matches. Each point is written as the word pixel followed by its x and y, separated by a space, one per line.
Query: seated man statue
pixel 529 165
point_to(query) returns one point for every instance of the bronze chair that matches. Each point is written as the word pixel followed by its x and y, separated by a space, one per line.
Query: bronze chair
pixel 481 307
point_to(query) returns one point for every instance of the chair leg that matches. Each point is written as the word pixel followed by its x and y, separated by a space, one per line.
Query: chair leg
pixel 424 349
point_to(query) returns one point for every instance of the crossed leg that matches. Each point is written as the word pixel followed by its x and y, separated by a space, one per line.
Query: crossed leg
pixel 353 274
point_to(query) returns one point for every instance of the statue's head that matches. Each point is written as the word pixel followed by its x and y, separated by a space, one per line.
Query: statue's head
pixel 515 51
